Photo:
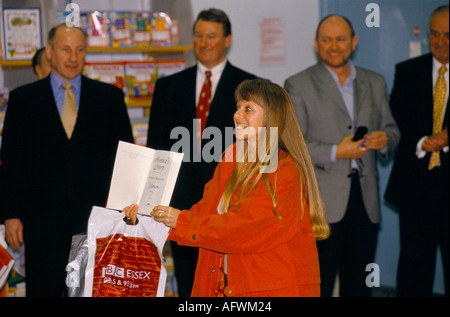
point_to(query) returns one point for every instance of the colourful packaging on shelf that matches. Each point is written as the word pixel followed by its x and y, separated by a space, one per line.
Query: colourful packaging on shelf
pixel 96 26
pixel 141 27
pixel 161 29
pixel 108 72
pixel 140 78
pixel 120 29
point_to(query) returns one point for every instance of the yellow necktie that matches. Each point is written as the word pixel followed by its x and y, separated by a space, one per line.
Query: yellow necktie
pixel 439 101
pixel 69 110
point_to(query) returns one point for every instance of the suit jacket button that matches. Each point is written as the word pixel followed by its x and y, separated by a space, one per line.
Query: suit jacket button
pixel 194 237
pixel 228 291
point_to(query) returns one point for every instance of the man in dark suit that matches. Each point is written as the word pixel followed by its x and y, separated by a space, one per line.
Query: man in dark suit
pixel 174 106
pixel 54 174
pixel 419 190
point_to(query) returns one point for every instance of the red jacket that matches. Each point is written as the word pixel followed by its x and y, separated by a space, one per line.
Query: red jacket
pixel 266 257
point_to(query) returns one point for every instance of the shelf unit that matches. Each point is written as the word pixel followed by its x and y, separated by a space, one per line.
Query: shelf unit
pixel 150 51
pixel 11 65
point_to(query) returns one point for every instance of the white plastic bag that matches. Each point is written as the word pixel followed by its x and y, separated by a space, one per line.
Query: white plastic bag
pixel 76 267
pixel 124 260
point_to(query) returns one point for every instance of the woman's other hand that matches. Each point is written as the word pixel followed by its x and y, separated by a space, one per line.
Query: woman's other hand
pixel 166 215
pixel 131 213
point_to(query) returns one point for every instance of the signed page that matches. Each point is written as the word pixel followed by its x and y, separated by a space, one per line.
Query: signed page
pixel 143 176
pixel 160 181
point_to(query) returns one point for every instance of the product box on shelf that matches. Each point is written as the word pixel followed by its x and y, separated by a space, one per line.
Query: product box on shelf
pixel 127 28
pixel 96 26
pixel 120 29
pixel 161 29
pixel 141 76
pixel 108 72
pixel 141 26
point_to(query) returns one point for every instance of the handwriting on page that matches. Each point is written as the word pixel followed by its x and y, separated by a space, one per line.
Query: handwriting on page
pixel 156 182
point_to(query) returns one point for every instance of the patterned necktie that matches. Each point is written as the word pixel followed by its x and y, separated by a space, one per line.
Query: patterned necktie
pixel 69 110
pixel 439 101
pixel 204 102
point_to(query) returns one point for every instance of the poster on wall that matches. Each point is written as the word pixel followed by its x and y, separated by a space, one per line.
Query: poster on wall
pixel 272 42
pixel 21 33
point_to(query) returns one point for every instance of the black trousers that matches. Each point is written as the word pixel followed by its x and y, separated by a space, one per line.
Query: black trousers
pixel 185 260
pixel 46 258
pixel 424 226
pixel 348 250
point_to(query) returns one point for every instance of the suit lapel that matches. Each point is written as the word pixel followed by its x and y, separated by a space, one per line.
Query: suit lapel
pixel 218 109
pixel 84 112
pixel 224 80
pixel 425 106
pixel 49 110
pixel 446 114
pixel 191 85
pixel 328 87
pixel 187 95
pixel 360 89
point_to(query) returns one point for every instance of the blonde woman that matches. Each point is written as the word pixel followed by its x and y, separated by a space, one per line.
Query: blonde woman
pixel 256 229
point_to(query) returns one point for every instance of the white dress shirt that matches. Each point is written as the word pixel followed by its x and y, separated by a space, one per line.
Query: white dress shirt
pixel 216 72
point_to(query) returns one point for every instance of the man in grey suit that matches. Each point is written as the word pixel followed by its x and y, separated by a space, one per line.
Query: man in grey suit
pixel 332 99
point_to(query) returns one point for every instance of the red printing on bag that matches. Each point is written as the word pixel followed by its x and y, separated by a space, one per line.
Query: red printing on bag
pixel 126 267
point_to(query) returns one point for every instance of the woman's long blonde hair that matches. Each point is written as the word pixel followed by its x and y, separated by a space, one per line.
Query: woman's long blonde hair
pixel 278 112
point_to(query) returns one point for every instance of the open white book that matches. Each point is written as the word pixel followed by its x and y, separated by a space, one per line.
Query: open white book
pixel 143 176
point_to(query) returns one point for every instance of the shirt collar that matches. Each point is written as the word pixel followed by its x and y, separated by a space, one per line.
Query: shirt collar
pixel 350 78
pixel 57 81
pixel 215 70
pixel 437 65
pixel 352 70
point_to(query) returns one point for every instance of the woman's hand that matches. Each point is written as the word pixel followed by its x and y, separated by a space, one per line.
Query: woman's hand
pixel 131 213
pixel 166 215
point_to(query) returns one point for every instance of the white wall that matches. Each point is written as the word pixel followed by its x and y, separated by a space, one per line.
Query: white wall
pixel 113 5
pixel 300 19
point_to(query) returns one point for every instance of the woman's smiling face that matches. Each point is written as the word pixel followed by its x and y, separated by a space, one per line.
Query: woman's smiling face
pixel 248 117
